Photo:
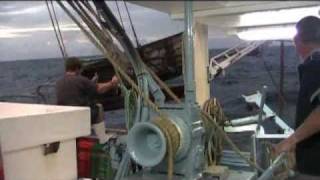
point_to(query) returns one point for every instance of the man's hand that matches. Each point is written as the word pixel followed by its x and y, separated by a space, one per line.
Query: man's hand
pixel 308 128
pixel 285 146
pixel 95 78
pixel 104 87
pixel 115 81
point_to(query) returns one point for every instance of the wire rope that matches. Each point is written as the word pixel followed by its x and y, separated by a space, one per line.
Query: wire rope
pixel 131 24
pixel 120 17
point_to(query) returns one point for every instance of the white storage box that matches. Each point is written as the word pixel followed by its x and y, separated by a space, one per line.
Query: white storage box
pixel 26 128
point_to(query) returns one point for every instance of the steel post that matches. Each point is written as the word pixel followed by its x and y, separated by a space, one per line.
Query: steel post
pixel 281 94
pixel 189 84
pixel 268 174
pixel 262 102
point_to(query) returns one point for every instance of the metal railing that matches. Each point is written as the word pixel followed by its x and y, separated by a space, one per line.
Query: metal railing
pixel 223 60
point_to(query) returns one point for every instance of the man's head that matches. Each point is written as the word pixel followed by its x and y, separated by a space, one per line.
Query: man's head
pixel 73 64
pixel 308 35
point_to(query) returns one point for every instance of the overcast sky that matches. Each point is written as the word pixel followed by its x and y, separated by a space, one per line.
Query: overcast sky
pixel 26 31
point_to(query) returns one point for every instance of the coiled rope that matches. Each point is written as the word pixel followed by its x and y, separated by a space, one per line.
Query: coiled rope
pixel 220 132
pixel 130 98
pixel 172 140
pixel 213 143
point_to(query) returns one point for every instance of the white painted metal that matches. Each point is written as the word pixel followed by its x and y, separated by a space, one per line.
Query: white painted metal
pixel 26 128
pixel 256 98
pixel 227 16
pixel 245 120
pixel 244 128
pixel 272 136
pixel 221 8
pixel 230 158
pixel 201 56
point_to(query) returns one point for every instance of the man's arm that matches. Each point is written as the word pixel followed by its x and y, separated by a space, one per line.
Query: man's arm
pixel 308 128
pixel 104 87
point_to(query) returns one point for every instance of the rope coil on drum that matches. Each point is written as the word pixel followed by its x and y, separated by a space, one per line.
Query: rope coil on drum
pixel 172 140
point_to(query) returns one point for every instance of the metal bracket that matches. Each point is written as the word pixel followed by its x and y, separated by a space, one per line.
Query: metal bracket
pixel 256 98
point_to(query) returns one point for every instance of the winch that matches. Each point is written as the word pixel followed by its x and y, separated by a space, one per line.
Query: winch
pixel 170 140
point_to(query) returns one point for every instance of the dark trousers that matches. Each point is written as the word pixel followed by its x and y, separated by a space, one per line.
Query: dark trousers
pixel 300 176
pixel 94 114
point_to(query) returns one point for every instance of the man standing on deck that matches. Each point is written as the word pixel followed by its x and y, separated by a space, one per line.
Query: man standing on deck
pixel 306 139
pixel 75 90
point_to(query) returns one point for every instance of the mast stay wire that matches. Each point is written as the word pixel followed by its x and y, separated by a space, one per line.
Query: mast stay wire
pixel 61 47
pixel 119 14
pixel 58 35
pixel 59 29
pixel 273 81
pixel 131 25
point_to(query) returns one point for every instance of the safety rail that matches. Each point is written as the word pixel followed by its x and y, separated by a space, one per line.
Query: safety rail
pixel 223 60
pixel 38 96
pixel 20 98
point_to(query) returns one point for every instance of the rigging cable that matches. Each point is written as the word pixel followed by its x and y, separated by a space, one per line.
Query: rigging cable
pixel 119 14
pixel 131 24
pixel 275 85
pixel 58 34
pixel 55 30
pixel 59 30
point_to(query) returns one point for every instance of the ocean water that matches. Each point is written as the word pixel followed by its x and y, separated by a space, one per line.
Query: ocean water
pixel 22 77
pixel 250 74
pixel 245 77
